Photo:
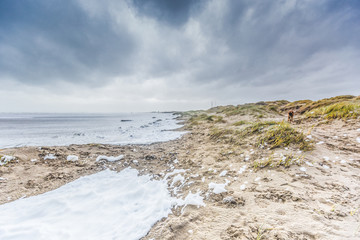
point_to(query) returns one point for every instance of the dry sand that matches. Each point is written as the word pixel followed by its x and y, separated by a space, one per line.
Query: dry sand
pixel 268 203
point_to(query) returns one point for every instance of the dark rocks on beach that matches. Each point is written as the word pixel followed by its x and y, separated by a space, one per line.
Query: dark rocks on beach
pixel 150 157
pixel 79 134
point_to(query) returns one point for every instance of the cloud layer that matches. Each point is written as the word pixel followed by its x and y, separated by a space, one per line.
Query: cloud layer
pixel 136 55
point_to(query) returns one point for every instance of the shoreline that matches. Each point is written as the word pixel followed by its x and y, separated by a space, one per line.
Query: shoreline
pixel 315 197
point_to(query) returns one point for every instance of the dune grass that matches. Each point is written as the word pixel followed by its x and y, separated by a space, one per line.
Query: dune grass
pixel 282 135
pixel 207 118
pixel 341 110
pixel 271 134
pixel 324 102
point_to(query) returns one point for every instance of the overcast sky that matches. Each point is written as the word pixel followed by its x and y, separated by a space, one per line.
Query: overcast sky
pixel 156 55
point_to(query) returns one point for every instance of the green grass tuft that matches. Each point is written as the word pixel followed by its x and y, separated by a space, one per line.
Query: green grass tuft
pixel 204 117
pixel 324 102
pixel 341 110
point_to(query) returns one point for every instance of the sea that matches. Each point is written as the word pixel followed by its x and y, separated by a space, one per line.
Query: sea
pixel 54 129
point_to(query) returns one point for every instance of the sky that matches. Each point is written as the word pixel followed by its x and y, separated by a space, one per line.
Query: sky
pixel 163 55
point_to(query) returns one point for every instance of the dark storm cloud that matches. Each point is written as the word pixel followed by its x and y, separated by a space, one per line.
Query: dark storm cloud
pixel 163 51
pixel 173 12
pixel 263 36
pixel 57 40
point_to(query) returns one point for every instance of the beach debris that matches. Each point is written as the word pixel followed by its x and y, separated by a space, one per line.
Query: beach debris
pixel 72 158
pixel 326 158
pixel 5 159
pixel 358 139
pixel 303 169
pixel 109 159
pixel 321 142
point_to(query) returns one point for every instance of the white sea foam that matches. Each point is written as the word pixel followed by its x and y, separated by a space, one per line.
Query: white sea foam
pixel 223 173
pixel 218 187
pixel 72 158
pixel 105 205
pixel 50 157
pixel 109 159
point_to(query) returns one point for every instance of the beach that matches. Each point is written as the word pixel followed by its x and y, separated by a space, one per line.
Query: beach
pixel 251 186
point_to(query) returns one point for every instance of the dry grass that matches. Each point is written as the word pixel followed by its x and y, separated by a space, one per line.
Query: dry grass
pixel 282 135
pixel 295 105
pixel 254 109
pixel 226 135
pixel 257 127
pixel 270 133
pixel 205 117
pixel 341 110
pixel 324 102
pixel 272 161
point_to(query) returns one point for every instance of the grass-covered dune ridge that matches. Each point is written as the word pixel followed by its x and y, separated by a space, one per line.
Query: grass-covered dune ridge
pixel 264 126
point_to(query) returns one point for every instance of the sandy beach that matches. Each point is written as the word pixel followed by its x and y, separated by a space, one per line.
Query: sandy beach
pixel 252 188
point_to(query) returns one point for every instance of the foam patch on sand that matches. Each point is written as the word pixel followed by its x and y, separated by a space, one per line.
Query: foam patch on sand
pixel 105 205
pixel 218 187
pixel 50 157
pixel 109 159
pixel 72 158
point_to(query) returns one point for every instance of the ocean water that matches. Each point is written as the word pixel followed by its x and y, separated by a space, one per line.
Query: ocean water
pixel 36 129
